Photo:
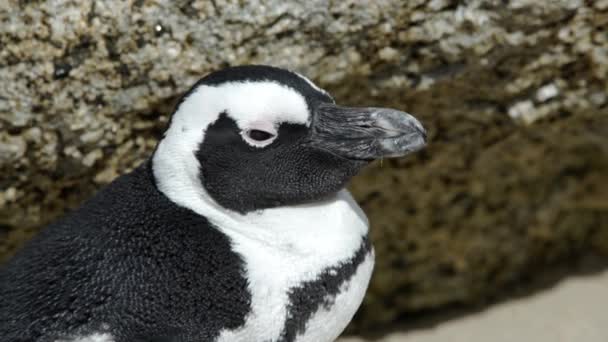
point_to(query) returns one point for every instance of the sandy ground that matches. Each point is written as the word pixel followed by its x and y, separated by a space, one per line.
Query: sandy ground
pixel 575 310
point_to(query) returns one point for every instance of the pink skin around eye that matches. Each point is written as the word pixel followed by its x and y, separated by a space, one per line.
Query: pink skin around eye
pixel 265 126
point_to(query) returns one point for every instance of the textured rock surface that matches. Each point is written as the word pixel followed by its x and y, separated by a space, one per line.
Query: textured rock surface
pixel 514 93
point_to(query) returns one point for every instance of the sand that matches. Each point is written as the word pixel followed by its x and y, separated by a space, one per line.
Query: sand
pixel 575 310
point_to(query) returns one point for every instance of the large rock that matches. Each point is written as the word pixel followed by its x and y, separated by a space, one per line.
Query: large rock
pixel 514 94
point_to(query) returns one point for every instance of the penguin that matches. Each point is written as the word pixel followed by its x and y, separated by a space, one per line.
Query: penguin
pixel 238 227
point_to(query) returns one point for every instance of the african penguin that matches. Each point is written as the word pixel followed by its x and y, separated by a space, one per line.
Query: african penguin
pixel 237 228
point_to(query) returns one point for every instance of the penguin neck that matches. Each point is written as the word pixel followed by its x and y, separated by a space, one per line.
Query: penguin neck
pixel 332 227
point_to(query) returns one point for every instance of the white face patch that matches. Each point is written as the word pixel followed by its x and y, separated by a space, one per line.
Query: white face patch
pixel 250 104
pixel 253 105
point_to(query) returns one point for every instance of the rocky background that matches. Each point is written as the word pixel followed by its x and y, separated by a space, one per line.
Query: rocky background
pixel 514 93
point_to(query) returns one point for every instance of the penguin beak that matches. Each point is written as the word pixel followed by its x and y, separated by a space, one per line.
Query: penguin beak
pixel 366 133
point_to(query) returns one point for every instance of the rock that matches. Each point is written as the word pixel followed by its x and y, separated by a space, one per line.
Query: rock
pixel 87 86
pixel 12 149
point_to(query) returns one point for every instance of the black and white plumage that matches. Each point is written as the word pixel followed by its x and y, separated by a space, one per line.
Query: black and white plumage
pixel 238 228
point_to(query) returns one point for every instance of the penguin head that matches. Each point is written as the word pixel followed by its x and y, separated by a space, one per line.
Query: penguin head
pixel 258 137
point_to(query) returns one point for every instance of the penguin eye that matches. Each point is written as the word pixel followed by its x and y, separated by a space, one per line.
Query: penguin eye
pixel 258 135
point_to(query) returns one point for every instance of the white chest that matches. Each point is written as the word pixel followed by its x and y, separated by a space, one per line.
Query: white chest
pixel 328 322
pixel 308 268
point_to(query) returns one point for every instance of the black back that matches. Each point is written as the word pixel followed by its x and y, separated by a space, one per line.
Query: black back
pixel 128 258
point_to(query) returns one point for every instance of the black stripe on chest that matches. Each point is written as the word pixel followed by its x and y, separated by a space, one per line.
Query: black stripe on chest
pixel 306 299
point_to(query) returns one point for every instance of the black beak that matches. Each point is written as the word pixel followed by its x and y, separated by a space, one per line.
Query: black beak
pixel 366 133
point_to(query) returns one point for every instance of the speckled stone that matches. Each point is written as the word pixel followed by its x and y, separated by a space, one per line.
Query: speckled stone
pixel 513 92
